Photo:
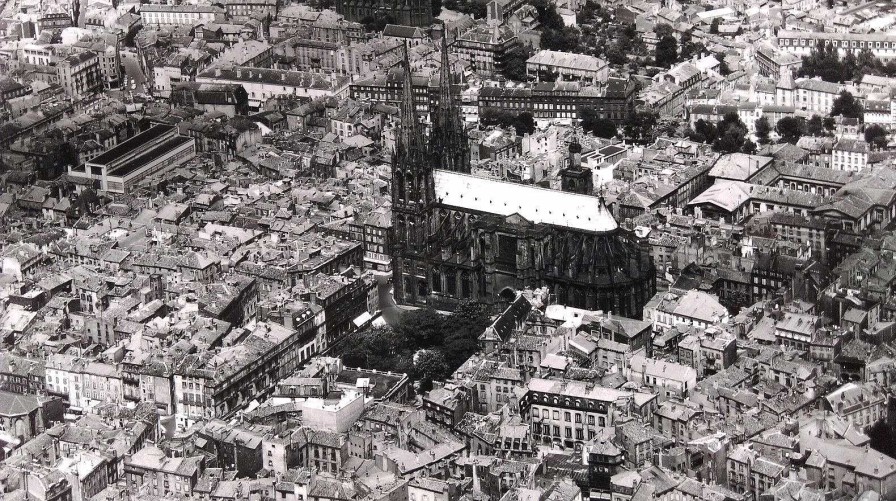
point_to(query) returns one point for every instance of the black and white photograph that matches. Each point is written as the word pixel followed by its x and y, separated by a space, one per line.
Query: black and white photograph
pixel 447 250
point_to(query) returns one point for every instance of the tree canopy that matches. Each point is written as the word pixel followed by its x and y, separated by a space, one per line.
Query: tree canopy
pixel 424 344
pixel 815 126
pixel 523 123
pixel 763 130
pixel 515 64
pixel 846 105
pixel 640 126
pixel 791 129
pixel 731 134
pixel 666 52
pixel 876 136
pixel 600 127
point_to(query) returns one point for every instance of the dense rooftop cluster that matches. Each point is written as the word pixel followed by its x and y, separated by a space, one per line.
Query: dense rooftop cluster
pixel 447 251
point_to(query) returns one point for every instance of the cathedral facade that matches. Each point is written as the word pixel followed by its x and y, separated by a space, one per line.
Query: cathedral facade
pixel 458 237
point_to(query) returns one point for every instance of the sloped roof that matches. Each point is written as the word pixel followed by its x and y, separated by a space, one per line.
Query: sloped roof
pixel 537 205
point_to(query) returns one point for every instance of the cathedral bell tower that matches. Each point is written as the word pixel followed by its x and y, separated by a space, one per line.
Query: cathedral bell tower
pixel 449 146
pixel 413 195
pixel 575 178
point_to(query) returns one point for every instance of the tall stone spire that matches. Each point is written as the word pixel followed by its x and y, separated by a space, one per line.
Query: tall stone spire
pixel 413 187
pixel 449 146
pixel 409 144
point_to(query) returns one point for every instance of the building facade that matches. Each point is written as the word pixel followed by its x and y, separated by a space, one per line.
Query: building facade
pixel 80 75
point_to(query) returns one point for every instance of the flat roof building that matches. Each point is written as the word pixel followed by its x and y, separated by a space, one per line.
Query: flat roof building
pixel 154 151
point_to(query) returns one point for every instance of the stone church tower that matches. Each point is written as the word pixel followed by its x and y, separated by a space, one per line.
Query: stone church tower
pixel 412 185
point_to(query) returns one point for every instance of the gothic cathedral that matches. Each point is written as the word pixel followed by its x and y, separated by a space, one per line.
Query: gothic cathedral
pixel 458 237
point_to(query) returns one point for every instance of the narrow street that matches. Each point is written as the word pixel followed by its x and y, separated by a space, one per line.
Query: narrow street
pixel 390 311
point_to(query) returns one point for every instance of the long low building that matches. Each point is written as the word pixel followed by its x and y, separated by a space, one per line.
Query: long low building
pixel 562 100
pixel 882 45
pixel 152 152
pixel 265 83
pixel 180 15
pixel 569 66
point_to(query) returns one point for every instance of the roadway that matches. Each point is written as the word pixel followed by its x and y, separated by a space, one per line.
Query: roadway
pixel 389 310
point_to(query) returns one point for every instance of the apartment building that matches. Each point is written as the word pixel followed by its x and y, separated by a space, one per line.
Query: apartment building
pixel 486 48
pixel 569 412
pixel 850 155
pixel 80 75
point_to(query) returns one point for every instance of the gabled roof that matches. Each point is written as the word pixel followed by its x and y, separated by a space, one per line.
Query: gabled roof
pixel 537 205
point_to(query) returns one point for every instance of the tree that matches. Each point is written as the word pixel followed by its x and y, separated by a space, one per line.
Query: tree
pixel 474 8
pixel 616 54
pixel 467 322
pixel 588 13
pixel 515 65
pixel 423 328
pixel 640 126
pixel 695 136
pixel 666 52
pixel 429 365
pixel 868 64
pixel 763 129
pixel 663 30
pixel 749 147
pixel 436 7
pixel 560 39
pixel 688 48
pixel 824 61
pixel 849 66
pixel 524 123
pixel 724 70
pixel 829 124
pixel 791 129
pixel 731 134
pixel 554 34
pixel 87 200
pixel 883 439
pixel 548 17
pixel 375 348
pixel 815 126
pixel 377 24
pixel 846 105
pixel 714 27
pixel 600 127
pixel 706 130
pixel 876 136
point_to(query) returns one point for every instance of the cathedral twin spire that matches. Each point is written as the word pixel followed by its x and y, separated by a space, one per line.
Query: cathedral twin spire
pixel 448 146
pixel 410 145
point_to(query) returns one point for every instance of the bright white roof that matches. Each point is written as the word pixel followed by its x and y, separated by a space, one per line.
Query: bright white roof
pixel 538 205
